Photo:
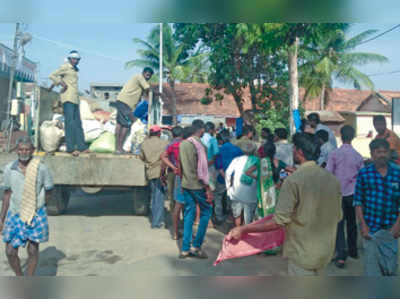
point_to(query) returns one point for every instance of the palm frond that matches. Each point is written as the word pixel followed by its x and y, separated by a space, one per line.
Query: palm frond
pixel 359 38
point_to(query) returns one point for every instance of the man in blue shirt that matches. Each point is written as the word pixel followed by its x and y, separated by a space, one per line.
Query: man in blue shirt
pixel 377 203
pixel 227 153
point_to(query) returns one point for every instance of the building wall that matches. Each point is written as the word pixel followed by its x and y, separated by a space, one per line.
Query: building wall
pixel 187 119
pixel 365 124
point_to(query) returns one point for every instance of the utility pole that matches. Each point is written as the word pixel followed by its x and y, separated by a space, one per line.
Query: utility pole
pixel 11 83
pixel 160 85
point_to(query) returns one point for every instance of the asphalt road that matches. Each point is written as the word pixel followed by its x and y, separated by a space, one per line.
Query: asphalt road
pixel 98 236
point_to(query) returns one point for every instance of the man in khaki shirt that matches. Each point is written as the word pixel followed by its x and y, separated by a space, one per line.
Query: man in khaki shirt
pixel 67 77
pixel 309 207
pixel 247 137
pixel 126 102
pixel 195 191
pixel 152 148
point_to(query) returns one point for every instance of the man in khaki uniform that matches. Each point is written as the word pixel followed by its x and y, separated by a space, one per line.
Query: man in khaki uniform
pixel 152 148
pixel 309 208
pixel 126 102
pixel 247 137
pixel 67 77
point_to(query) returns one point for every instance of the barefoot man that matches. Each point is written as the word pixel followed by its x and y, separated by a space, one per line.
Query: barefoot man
pixel 23 218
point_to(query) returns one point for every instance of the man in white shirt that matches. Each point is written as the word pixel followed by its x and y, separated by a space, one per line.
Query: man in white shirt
pixel 315 123
pixel 284 149
pixel 242 193
pixel 326 147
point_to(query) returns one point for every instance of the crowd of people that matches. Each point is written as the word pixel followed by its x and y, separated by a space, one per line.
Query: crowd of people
pixel 313 188
pixel 312 192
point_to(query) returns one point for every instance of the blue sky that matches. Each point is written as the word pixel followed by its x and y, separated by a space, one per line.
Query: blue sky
pixel 105 47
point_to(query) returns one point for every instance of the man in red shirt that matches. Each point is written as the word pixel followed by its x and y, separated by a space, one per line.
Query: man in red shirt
pixel 389 136
pixel 171 159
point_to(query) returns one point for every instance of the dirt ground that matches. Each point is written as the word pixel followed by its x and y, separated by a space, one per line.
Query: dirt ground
pixel 98 236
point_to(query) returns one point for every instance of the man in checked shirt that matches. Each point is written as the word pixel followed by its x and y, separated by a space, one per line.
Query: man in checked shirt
pixel 377 203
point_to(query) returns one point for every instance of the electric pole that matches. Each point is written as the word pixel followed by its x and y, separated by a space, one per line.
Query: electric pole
pixel 12 74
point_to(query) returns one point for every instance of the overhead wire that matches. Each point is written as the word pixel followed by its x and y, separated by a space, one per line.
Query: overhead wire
pixel 379 35
pixel 69 46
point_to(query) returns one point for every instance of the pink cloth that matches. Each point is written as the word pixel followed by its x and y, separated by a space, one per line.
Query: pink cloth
pixel 251 244
pixel 202 163
pixel 345 163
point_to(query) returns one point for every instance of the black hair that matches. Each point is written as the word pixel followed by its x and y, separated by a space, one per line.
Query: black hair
pixel 323 135
pixel 267 130
pixel 303 124
pixel 378 143
pixel 155 133
pixel 219 138
pixel 281 133
pixel 197 125
pixel 247 129
pixel 314 117
pixel 347 133
pixel 270 151
pixel 307 143
pixel 225 136
pixel 148 70
pixel 187 132
pixel 177 131
pixel 378 118
pixel 209 126
pixel 25 140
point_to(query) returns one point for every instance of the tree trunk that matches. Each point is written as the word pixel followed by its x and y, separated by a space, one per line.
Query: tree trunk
pixel 239 104
pixel 294 83
pixel 322 98
pixel 253 96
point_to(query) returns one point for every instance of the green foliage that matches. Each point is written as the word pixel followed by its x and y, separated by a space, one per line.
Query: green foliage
pixel 178 65
pixel 240 58
pixel 272 119
pixel 331 56
pixel 206 100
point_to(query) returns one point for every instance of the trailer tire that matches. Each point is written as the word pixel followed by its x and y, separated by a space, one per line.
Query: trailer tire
pixel 141 201
pixel 59 201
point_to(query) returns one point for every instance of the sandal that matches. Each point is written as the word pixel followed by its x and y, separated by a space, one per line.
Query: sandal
pixel 184 255
pixel 198 253
pixel 340 264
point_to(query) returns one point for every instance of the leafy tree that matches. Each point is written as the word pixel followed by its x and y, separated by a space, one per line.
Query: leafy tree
pixel 179 65
pixel 239 60
pixel 259 57
pixel 331 56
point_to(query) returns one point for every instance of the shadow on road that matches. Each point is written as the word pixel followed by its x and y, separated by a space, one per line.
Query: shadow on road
pixel 48 261
pixel 103 203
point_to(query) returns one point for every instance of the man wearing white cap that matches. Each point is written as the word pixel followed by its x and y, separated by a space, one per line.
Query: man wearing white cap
pixel 152 148
pixel 67 77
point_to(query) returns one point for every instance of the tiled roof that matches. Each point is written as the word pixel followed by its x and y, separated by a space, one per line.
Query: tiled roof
pixel 346 99
pixel 190 94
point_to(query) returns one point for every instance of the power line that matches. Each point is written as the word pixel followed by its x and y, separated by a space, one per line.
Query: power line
pixel 379 35
pixel 69 46
pixel 385 73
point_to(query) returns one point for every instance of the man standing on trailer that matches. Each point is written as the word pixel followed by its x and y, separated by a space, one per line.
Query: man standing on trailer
pixel 127 100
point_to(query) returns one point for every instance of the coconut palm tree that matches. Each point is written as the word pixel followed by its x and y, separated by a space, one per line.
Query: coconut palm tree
pixel 177 65
pixel 331 57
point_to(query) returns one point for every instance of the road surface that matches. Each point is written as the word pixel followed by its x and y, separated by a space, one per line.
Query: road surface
pixel 99 236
